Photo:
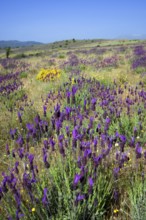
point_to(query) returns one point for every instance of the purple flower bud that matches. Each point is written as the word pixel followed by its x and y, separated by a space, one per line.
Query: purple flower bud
pixel 57 111
pixel 138 151
pixel 45 110
pixel 68 94
pixel 12 133
pixel 7 149
pixel 21 152
pixel 52 144
pixel 116 171
pixel 97 160
pixel 90 182
pixel 77 178
pixel 87 153
pixel 45 198
pixel 46 144
pixel 75 133
pixel 116 195
pixel 47 165
pixel 93 104
pixel 30 127
pixel 68 111
pixel 20 141
pixel 16 167
pixel 31 158
pixel 145 154
pixel 80 197
pixel 19 117
pixel 123 139
pixel 74 90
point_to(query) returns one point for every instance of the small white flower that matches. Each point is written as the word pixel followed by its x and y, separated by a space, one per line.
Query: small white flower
pixel 116 144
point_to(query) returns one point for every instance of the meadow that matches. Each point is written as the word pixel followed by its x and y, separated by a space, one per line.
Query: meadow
pixel 72 131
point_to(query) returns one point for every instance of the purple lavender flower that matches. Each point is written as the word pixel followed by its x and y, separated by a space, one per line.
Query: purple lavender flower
pixel 68 111
pixel 57 111
pixel 20 141
pixel 97 160
pixel 93 104
pixel 75 133
pixel 52 143
pixel 90 182
pixel 80 197
pixel 46 144
pixel 87 153
pixel 98 129
pixel 12 133
pixel 132 142
pixel 138 151
pixel 27 182
pixel 68 131
pixel 30 127
pixel 7 149
pixel 58 126
pixel 47 165
pixel 16 167
pixel 74 90
pixel 95 142
pixel 1 193
pixel 45 198
pixel 4 184
pixel 31 158
pixel 19 117
pixel 68 94
pixel 45 110
pixel 116 171
pixel 37 119
pixel 116 195
pixel 85 103
pixel 77 178
pixel 144 154
pixel 21 152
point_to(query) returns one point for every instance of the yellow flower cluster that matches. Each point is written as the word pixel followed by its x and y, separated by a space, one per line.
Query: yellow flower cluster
pixel 72 81
pixel 48 74
pixel 116 211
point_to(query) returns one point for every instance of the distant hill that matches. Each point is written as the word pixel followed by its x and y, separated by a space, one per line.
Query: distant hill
pixel 132 37
pixel 15 43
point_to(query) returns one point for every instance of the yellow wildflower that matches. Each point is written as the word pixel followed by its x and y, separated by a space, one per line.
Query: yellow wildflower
pixel 48 74
pixel 33 209
pixel 22 191
pixel 116 211
pixel 72 81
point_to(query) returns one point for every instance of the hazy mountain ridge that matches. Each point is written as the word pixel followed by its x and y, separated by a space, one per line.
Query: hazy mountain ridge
pixel 15 43
pixel 132 37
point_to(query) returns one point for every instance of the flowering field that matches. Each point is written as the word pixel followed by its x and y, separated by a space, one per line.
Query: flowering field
pixel 72 133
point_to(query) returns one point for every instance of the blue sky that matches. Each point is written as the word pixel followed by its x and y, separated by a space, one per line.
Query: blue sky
pixel 53 20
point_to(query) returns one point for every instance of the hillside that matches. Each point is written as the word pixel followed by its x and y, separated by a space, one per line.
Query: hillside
pixel 15 43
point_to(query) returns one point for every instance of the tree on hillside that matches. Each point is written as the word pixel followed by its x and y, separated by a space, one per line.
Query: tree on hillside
pixel 8 50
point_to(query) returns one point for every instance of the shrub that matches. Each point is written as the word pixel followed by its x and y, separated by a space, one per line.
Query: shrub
pixel 8 50
pixel 48 74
